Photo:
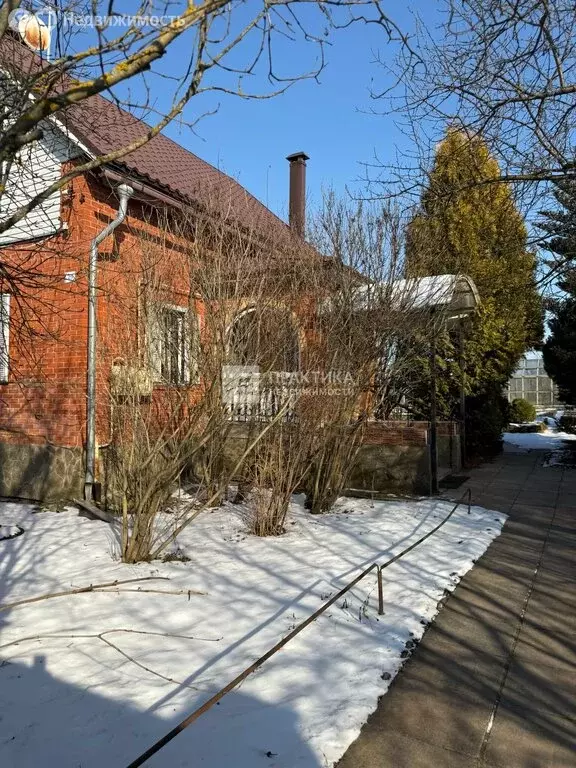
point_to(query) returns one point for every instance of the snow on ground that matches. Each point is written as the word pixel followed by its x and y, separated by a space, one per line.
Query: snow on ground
pixel 549 421
pixel 96 678
pixel 535 441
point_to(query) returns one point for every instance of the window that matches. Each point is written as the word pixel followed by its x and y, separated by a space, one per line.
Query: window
pixel 265 337
pixel 170 345
pixel 4 336
pixel 544 384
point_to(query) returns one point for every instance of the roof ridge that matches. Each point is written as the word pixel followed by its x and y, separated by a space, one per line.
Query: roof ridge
pixel 103 126
pixel 165 137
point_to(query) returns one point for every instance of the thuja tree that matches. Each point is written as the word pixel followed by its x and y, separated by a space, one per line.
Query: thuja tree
pixel 465 226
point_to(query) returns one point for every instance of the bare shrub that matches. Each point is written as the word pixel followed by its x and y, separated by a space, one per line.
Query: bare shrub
pixel 311 338
pixel 336 449
pixel 363 324
pixel 359 316
pixel 169 339
pixel 152 443
pixel 278 466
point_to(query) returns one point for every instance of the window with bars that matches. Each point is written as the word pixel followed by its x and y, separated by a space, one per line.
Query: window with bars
pixel 4 337
pixel 171 345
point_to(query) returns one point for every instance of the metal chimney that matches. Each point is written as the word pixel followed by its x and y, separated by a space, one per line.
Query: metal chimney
pixel 298 191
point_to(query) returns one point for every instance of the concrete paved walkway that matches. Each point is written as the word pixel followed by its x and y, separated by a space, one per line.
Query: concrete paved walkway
pixel 493 682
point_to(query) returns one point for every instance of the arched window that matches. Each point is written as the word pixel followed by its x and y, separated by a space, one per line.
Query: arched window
pixel 265 337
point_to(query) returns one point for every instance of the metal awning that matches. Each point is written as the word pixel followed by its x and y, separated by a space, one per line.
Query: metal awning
pixel 454 296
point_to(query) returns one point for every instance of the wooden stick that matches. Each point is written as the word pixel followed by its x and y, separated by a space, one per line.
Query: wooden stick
pixel 79 591
pixel 188 592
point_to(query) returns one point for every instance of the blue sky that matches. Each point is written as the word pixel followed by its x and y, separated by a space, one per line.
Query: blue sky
pixel 328 119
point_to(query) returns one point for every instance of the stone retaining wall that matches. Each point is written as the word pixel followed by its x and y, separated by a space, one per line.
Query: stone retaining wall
pixel 394 457
pixel 41 472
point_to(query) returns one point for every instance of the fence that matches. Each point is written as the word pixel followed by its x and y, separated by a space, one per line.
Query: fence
pixel 250 395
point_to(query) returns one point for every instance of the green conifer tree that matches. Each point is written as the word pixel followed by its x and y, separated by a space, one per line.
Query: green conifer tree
pixel 476 230
pixel 560 348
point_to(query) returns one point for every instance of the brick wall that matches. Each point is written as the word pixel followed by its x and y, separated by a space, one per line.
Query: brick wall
pixel 395 433
pixel 406 433
pixel 44 401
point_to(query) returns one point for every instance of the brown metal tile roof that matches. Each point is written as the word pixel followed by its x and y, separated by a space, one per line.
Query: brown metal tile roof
pixel 103 126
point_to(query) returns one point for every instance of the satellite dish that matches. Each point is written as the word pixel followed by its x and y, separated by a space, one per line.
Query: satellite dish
pixel 31 29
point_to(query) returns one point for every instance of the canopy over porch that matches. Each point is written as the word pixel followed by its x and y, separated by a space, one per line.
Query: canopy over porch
pixel 454 295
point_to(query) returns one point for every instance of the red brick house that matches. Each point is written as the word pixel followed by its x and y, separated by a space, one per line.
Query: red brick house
pixel 48 437
pixel 44 329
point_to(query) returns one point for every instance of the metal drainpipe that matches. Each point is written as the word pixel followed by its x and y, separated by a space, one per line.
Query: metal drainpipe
pixel 124 192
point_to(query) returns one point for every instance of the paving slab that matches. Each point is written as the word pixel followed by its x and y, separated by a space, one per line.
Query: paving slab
pixel 544 688
pixel 493 682
pixel 522 738
pixel 401 751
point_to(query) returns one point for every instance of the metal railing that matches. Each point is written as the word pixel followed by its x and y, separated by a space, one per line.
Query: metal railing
pixel 466 498
pixel 260 397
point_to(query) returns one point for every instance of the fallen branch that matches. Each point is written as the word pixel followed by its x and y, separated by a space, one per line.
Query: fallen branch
pixel 79 591
pixel 143 666
pixel 101 636
pixel 85 635
pixel 188 592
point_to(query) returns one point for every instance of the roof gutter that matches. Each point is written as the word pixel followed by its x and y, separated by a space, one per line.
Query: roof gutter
pixel 119 178
pixel 116 177
pixel 124 192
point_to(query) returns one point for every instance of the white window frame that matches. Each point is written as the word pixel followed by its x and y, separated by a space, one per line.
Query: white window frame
pixel 4 337
pixel 187 333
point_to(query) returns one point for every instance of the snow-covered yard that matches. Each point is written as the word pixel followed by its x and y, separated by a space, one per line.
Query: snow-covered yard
pixel 550 440
pixel 96 678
